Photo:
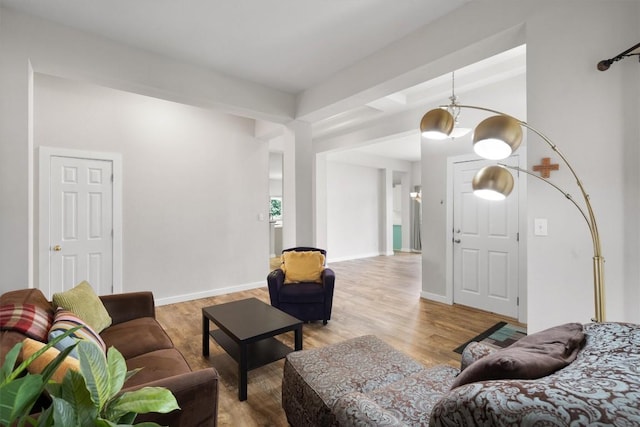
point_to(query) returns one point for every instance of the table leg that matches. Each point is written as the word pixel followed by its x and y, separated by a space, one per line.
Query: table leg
pixel 298 338
pixel 205 336
pixel 242 372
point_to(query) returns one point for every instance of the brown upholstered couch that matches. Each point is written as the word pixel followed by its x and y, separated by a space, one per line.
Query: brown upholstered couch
pixel 144 344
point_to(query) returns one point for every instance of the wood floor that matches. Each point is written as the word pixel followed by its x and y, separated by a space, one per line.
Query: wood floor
pixel 379 296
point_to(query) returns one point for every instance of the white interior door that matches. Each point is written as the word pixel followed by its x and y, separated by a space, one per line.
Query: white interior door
pixel 485 245
pixel 81 224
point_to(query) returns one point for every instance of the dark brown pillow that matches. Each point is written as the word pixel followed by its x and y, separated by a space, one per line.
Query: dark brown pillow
pixel 534 356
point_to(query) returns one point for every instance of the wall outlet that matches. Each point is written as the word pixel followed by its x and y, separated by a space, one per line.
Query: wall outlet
pixel 540 226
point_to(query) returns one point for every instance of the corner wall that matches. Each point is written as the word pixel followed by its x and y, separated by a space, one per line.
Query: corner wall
pixel 190 215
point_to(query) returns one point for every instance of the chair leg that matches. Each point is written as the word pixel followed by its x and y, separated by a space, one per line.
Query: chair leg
pixel 324 322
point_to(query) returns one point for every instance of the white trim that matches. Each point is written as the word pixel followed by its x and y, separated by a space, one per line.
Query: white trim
pixel 352 257
pixel 209 293
pixel 437 298
pixel 44 171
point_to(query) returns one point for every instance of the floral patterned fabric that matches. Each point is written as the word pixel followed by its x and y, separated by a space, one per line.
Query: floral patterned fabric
pixel 365 382
pixel 601 387
pixel 314 379
pixel 474 351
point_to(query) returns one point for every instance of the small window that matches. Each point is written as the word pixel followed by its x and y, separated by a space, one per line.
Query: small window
pixel 275 212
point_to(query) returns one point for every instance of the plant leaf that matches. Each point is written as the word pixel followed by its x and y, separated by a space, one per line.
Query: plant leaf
pixel 18 397
pixel 74 391
pixel 117 371
pixel 50 369
pixel 9 362
pixel 64 413
pixel 131 373
pixel 93 366
pixel 146 399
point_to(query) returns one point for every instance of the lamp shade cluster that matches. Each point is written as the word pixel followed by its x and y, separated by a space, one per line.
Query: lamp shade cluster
pixel 495 138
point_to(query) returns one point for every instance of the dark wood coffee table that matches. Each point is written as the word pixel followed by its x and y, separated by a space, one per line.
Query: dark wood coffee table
pixel 246 332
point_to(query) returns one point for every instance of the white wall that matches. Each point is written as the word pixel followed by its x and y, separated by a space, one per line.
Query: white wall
pixel 508 96
pixel 566 97
pixel 595 133
pixel 190 214
pixel 353 211
pixel 573 103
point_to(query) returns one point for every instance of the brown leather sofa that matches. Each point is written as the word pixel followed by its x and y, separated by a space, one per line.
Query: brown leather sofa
pixel 136 333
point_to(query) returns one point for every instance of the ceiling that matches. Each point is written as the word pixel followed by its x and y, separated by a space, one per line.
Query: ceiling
pixel 289 45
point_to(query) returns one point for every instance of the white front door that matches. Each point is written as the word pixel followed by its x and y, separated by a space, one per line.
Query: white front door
pixel 80 224
pixel 485 245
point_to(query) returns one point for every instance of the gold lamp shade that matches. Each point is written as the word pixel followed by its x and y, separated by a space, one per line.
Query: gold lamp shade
pixel 437 124
pixel 497 137
pixel 492 183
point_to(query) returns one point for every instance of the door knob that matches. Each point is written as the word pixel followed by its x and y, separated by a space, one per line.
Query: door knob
pixel 456 240
pixel 57 248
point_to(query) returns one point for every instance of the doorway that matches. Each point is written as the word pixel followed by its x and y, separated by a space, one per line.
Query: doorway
pixel 80 220
pixel 485 244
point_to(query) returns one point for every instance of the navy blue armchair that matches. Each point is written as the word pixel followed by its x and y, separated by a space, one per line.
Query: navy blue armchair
pixel 306 301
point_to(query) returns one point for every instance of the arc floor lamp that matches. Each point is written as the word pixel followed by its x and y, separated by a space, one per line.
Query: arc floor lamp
pixel 495 138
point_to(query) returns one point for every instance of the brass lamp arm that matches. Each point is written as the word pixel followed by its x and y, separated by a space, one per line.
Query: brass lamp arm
pixel 598 260
pixel 564 193
pixel 593 227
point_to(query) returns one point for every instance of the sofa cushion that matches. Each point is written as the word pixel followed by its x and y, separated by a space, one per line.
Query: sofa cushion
pixel 28 319
pixel 29 347
pixel 531 357
pixel 137 336
pixel 84 302
pixel 302 266
pixel 8 339
pixel 65 320
pixel 156 365
pixel 27 296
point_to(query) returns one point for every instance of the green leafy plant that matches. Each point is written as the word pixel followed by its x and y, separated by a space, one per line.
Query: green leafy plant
pixel 18 392
pixel 90 397
pixel 93 395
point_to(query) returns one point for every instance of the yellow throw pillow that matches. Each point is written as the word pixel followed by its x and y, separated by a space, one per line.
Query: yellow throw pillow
pixel 29 347
pixel 306 266
pixel 84 303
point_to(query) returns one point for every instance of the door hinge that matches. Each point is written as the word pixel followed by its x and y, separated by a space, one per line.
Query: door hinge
pixel 517 237
pixel 518 301
pixel 112 178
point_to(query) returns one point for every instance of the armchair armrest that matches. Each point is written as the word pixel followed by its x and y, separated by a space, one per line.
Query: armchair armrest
pixel 197 396
pixel 129 306
pixel 275 280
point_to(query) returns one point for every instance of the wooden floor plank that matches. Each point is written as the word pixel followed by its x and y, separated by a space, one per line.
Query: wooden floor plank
pixel 379 296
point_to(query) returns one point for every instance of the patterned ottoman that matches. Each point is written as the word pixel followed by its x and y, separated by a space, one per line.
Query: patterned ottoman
pixel 333 385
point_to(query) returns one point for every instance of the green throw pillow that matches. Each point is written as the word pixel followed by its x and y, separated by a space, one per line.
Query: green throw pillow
pixel 84 303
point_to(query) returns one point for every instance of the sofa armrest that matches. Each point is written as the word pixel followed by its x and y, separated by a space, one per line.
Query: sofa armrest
pixel 197 396
pixel 474 351
pixel 129 306
pixel 356 409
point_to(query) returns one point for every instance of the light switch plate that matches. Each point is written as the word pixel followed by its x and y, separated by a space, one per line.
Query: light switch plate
pixel 540 226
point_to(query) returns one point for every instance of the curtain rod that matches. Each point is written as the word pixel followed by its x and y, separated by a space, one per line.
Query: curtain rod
pixel 606 63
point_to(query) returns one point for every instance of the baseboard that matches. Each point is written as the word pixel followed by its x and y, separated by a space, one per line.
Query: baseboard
pixel 435 297
pixel 349 258
pixel 209 293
